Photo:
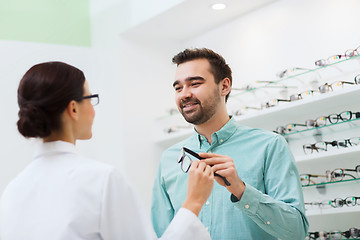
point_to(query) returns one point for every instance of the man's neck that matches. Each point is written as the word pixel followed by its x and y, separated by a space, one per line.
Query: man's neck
pixel 214 124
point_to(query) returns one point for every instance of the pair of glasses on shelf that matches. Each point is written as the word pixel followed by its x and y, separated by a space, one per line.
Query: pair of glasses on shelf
pixel 325 88
pixel 335 203
pixel 349 201
pixel 335 234
pixel 289 71
pixel 318 122
pixel 335 58
pixel 185 160
pixel 324 145
pixel 332 119
pixel 336 175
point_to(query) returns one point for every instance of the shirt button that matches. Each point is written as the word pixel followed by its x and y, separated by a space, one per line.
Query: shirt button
pixel 221 140
pixel 268 222
pixel 207 203
pixel 207 228
pixel 247 206
pixel 201 138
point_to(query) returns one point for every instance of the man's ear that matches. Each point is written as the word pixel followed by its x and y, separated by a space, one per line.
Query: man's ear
pixel 72 110
pixel 225 86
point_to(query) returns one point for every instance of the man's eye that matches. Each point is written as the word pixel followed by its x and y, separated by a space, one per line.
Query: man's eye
pixel 195 83
pixel 177 89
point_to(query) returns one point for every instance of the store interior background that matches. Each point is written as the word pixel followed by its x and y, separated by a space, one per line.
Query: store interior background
pixel 125 50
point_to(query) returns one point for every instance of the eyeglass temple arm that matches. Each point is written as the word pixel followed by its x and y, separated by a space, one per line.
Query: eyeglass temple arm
pixel 346 174
pixel 227 183
pixel 314 175
pixel 283 100
pixel 348 82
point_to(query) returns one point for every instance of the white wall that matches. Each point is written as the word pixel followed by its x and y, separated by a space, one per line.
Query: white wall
pixel 284 34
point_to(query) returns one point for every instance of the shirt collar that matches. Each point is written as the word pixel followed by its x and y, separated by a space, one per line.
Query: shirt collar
pixel 54 147
pixel 220 136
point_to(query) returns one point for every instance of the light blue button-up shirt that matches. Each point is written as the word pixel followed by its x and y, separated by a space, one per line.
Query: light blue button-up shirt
pixel 272 205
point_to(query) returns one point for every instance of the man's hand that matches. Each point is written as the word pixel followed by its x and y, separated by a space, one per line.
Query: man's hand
pixel 200 184
pixel 224 166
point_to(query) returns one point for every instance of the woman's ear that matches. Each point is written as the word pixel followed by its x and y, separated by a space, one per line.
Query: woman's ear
pixel 73 110
pixel 225 86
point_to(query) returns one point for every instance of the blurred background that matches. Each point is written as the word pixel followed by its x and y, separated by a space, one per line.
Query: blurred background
pixel 125 49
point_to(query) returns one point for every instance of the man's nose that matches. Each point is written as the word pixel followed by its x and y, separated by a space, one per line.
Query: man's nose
pixel 185 93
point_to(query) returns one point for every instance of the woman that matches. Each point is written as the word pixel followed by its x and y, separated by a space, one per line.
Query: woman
pixel 62 195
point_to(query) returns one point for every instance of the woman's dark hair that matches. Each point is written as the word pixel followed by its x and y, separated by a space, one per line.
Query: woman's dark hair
pixel 44 93
pixel 219 68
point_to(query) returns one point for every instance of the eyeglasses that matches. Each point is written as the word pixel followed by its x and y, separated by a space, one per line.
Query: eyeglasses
pixel 323 205
pixel 352 52
pixel 357 79
pixel 336 203
pixel 329 60
pixel 334 118
pixel 318 146
pixel 286 72
pixel 336 175
pixel 349 201
pixel 335 234
pixel 339 174
pixel 306 179
pixel 291 127
pixel 335 58
pixel 344 116
pixel 318 122
pixel 323 145
pixel 335 85
pixel 186 161
pixel 94 99
pixel 325 88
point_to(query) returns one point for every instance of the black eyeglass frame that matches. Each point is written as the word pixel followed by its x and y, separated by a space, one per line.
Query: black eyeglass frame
pixel 181 160
pixel 89 97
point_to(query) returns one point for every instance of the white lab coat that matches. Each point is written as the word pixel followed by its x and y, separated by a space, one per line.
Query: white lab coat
pixel 61 195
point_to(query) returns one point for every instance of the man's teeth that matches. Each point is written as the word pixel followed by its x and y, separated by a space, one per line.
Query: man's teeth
pixel 189 105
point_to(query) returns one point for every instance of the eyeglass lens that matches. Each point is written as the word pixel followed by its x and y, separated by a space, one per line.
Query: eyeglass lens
pixel 94 100
pixel 184 160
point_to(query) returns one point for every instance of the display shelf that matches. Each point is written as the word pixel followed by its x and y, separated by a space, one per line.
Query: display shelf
pixel 330 211
pixel 356 180
pixel 271 84
pixel 301 110
pixel 350 154
pixel 300 73
pixel 325 128
pixel 334 220
pixel 293 112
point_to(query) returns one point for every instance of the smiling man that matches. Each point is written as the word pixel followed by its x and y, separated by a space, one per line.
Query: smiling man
pixel 263 197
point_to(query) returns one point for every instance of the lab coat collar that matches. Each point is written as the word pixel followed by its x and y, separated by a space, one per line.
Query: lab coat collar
pixel 54 147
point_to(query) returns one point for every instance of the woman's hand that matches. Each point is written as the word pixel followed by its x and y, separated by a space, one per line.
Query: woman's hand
pixel 200 184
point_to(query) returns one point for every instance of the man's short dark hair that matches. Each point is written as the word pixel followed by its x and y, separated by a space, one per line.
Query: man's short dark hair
pixel 219 68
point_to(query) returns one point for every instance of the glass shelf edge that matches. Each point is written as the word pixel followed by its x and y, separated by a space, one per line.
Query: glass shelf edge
pixel 294 76
pixel 327 183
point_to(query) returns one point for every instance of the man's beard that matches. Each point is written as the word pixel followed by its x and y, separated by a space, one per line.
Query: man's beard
pixel 205 112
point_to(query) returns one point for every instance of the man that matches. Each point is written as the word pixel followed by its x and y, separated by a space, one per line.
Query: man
pixel 264 198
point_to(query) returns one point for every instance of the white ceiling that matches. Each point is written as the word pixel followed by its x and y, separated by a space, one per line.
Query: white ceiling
pixel 192 17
